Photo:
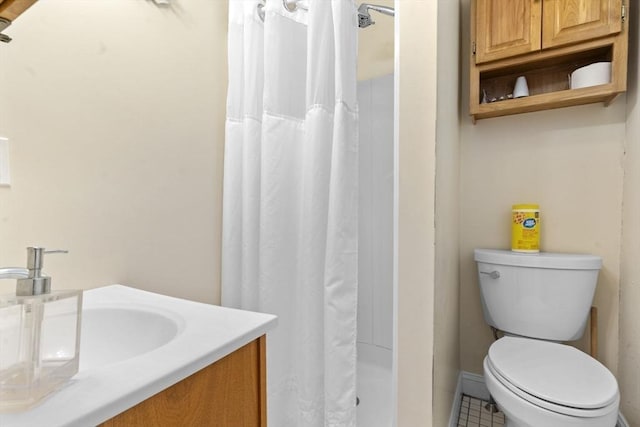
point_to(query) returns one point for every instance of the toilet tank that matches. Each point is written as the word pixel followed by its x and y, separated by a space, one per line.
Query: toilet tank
pixel 543 295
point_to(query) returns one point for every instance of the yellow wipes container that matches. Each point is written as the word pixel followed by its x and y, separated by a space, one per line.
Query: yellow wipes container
pixel 525 228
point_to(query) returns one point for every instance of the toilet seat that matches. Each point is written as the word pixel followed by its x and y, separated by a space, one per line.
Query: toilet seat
pixel 553 376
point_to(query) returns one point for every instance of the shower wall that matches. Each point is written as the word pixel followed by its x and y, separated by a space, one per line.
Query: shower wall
pixel 375 244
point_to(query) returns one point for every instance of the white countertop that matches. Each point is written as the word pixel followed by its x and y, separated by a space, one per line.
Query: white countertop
pixel 206 334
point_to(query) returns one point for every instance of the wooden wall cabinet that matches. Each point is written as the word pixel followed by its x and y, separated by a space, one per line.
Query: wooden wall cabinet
pixel 544 40
pixel 229 392
pixel 11 9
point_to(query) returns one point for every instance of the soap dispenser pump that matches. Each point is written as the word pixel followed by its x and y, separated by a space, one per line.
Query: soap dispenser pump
pixel 35 283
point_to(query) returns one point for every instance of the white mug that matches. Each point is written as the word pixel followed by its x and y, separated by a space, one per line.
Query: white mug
pixel 521 89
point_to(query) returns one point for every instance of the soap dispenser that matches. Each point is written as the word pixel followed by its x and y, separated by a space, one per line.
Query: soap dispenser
pixel 39 335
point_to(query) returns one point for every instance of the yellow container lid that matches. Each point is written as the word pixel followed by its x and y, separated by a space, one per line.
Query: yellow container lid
pixel 525 206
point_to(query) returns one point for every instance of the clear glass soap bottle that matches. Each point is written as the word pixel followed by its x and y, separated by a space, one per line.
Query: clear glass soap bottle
pixel 39 336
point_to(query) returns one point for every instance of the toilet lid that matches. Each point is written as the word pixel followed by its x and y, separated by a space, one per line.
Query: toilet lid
pixel 553 372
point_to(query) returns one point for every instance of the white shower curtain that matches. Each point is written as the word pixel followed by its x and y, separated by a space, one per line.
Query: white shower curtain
pixel 290 200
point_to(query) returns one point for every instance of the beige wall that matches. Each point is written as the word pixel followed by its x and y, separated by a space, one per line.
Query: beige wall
pixel 416 206
pixel 115 113
pixel 567 160
pixel 629 355
pixel 447 289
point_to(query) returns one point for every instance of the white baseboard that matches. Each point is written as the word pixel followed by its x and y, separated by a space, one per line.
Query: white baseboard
pixel 471 385
pixel 457 401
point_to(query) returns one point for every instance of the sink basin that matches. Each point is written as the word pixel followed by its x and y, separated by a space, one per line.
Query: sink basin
pixel 114 334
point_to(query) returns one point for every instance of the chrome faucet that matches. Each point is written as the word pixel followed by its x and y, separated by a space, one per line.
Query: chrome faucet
pixel 30 279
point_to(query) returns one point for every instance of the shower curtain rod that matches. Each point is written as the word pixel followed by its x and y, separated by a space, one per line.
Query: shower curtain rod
pixel 364 18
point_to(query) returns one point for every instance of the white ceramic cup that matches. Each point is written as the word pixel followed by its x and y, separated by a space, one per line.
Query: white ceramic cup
pixel 521 88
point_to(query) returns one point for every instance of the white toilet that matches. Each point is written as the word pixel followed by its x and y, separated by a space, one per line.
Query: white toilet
pixel 538 301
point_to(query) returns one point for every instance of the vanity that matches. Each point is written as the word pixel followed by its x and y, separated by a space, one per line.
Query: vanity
pixel 149 359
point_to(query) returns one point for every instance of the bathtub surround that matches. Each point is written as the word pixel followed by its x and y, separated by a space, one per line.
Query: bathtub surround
pixel 375 213
pixel 375 251
pixel 290 213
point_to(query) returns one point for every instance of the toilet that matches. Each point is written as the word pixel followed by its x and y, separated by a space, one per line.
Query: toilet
pixel 539 301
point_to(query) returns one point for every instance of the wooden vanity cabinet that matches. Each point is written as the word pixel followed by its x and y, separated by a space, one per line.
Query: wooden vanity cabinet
pixel 544 40
pixel 229 392
pixel 11 9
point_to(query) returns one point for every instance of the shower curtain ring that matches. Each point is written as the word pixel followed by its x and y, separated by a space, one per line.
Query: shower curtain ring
pixel 260 11
pixel 290 5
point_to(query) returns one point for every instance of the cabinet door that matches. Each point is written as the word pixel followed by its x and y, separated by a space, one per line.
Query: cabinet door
pixel 506 28
pixel 573 21
pixel 229 393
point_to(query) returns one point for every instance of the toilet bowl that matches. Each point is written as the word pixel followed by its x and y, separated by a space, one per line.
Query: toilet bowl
pixel 544 384
pixel 538 301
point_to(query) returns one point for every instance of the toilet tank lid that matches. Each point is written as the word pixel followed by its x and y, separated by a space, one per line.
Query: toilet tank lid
pixel 539 260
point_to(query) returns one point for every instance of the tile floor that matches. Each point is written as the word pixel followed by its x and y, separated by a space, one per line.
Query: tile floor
pixel 473 414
